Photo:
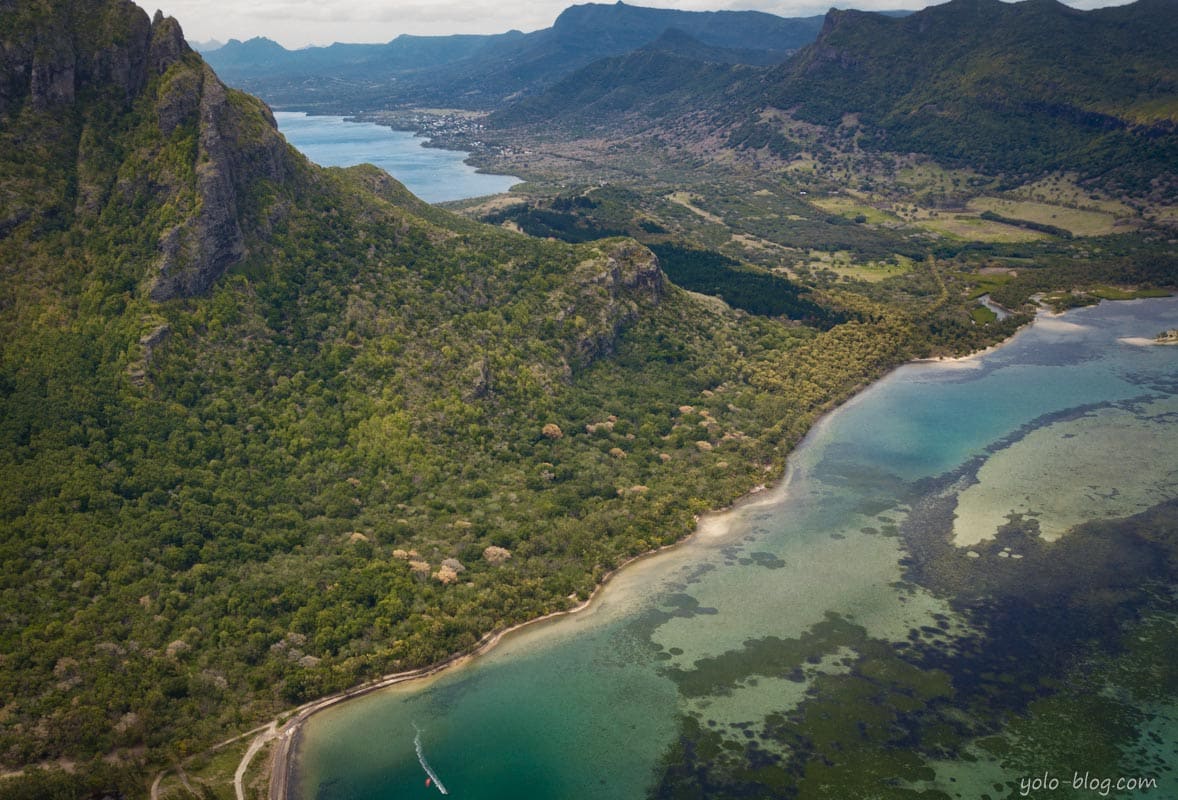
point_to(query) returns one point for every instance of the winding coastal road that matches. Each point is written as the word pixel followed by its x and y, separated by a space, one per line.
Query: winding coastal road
pixel 288 732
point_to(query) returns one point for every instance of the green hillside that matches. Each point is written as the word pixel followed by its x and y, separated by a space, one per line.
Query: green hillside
pixel 1022 88
pixel 671 77
pixel 269 430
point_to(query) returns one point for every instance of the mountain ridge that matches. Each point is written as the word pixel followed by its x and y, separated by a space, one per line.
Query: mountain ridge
pixel 481 72
pixel 1016 88
pixel 675 74
pixel 1035 85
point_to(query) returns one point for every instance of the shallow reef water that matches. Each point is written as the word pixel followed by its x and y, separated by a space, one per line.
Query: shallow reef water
pixel 892 621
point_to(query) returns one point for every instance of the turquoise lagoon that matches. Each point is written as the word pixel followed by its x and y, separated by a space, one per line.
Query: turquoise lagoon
pixel 433 174
pixel 965 582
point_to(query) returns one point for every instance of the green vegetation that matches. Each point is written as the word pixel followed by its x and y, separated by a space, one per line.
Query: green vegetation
pixel 741 287
pixel 219 503
pixel 555 221
pixel 1024 88
pixel 758 135
pixel 95 779
pixel 982 315
pixel 1001 93
pixel 262 425
pixel 213 770
pixel 632 90
pixel 1075 221
pixel 1114 293
pixel 1090 280
pixel 1050 230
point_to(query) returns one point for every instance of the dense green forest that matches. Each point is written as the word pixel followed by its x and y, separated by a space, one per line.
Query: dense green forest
pixel 754 291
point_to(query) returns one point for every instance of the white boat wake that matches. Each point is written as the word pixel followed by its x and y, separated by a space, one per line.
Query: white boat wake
pixel 433 776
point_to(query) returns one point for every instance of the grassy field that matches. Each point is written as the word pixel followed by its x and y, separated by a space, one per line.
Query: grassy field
pixel 1078 221
pixel 1062 190
pixel 982 315
pixel 981 283
pixel 850 208
pixel 1163 215
pixel 484 205
pixel 1116 293
pixel 844 265
pixel 931 180
pixel 967 227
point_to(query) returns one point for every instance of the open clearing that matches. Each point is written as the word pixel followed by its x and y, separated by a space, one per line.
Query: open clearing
pixel 687 200
pixel 971 228
pixel 1079 222
pixel 849 208
pixel 843 264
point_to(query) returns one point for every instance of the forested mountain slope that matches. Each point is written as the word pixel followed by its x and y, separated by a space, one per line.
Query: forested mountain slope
pixel 673 76
pixel 1013 87
pixel 268 430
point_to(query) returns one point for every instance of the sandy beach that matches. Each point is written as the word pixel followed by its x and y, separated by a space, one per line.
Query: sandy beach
pixel 710 527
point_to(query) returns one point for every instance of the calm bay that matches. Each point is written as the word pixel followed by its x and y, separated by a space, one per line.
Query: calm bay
pixel 965 580
pixel 432 174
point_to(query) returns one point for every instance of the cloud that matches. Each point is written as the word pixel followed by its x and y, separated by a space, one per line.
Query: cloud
pixel 296 23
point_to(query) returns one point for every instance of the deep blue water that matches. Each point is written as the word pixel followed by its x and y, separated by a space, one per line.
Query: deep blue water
pixel 433 175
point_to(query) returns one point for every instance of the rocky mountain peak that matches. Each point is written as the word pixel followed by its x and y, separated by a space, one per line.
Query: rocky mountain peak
pixel 74 46
pixel 64 61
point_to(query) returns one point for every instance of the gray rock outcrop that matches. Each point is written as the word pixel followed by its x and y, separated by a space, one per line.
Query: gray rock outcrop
pixel 122 62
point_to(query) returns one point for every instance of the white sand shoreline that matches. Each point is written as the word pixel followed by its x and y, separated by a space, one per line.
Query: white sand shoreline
pixel 709 526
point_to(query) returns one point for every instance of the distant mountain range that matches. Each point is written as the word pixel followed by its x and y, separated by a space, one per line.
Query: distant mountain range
pixel 1034 85
pixel 1002 87
pixel 671 76
pixel 1016 88
pixel 484 72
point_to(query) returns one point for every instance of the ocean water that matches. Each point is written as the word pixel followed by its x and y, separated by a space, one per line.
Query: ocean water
pixel 912 612
pixel 433 175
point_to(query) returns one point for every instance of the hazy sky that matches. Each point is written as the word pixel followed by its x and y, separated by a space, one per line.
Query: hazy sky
pixel 297 23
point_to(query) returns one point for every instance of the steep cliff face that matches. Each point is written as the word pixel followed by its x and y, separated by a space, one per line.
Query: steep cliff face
pixel 230 159
pixel 626 280
pixel 50 51
pixel 80 74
